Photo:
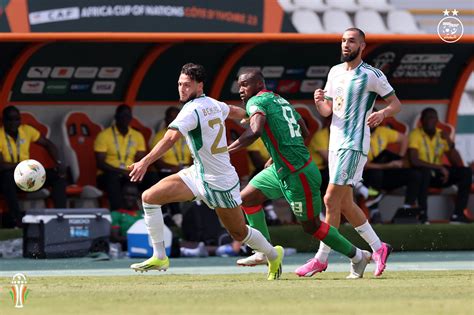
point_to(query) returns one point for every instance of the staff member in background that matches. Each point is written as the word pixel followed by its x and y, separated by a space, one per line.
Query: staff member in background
pixel 384 170
pixel 426 146
pixel 115 148
pixel 15 140
pixel 174 160
pixel 319 150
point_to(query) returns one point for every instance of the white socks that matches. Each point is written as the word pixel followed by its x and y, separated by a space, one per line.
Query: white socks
pixel 357 257
pixel 368 234
pixel 259 243
pixel 155 226
pixel 323 252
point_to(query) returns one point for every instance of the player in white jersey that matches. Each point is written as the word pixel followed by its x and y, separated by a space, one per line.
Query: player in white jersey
pixel 211 178
pixel 349 95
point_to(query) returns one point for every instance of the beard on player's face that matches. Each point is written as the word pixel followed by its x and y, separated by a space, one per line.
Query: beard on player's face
pixel 191 96
pixel 351 56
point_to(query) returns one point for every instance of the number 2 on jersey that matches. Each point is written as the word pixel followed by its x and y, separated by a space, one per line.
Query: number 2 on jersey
pixel 292 123
pixel 214 148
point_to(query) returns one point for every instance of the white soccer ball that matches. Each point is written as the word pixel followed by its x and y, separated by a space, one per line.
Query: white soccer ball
pixel 29 175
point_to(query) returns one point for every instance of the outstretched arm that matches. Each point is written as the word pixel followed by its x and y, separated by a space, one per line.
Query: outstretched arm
pixel 138 169
pixel 257 122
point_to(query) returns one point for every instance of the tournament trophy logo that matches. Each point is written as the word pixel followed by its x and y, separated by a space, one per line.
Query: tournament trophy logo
pixel 19 291
pixel 450 28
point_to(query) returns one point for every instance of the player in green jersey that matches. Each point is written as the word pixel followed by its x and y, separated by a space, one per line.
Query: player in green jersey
pixel 292 175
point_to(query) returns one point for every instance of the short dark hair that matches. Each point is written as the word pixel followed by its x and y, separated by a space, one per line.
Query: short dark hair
pixel 170 110
pixel 122 108
pixel 194 71
pixel 358 30
pixel 7 110
pixel 428 110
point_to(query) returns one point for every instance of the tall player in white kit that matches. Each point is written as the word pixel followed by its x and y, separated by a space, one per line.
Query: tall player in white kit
pixel 350 93
pixel 211 178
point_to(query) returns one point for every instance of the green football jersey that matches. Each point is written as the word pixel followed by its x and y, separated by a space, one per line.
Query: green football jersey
pixel 282 135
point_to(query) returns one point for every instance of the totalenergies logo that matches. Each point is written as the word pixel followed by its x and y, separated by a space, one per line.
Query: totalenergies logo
pixel 19 291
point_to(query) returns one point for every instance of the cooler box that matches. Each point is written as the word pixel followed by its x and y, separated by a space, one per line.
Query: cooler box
pixel 139 243
pixel 62 233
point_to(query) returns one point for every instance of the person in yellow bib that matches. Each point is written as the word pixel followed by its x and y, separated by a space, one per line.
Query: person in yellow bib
pixel 15 141
pixel 385 171
pixel 426 147
pixel 116 147
pixel 319 150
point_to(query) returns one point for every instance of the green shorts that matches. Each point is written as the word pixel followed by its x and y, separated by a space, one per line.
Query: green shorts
pixel 300 189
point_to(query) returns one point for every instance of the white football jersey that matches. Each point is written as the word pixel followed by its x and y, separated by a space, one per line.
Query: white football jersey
pixel 202 122
pixel 353 95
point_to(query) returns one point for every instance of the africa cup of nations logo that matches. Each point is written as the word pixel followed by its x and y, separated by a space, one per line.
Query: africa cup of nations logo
pixel 450 28
pixel 19 291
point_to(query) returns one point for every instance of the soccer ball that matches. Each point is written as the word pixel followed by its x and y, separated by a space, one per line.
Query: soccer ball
pixel 29 175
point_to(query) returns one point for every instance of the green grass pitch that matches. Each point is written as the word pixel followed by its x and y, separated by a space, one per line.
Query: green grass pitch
pixel 433 292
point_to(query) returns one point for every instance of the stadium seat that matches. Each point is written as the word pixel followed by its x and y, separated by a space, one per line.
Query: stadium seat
pixel 37 151
pixel 238 159
pixel 377 5
pixel 287 5
pixel 144 130
pixel 306 21
pixel 370 21
pixel 470 84
pixel 345 5
pixel 402 22
pixel 313 5
pixel 466 105
pixel 399 126
pixel 79 133
pixel 310 119
pixel 336 21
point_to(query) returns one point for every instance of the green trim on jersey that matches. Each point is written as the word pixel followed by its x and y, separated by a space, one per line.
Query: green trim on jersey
pixel 196 143
pixel 196 134
pixel 347 107
pixel 360 129
pixel 368 107
pixel 389 94
pixel 376 71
